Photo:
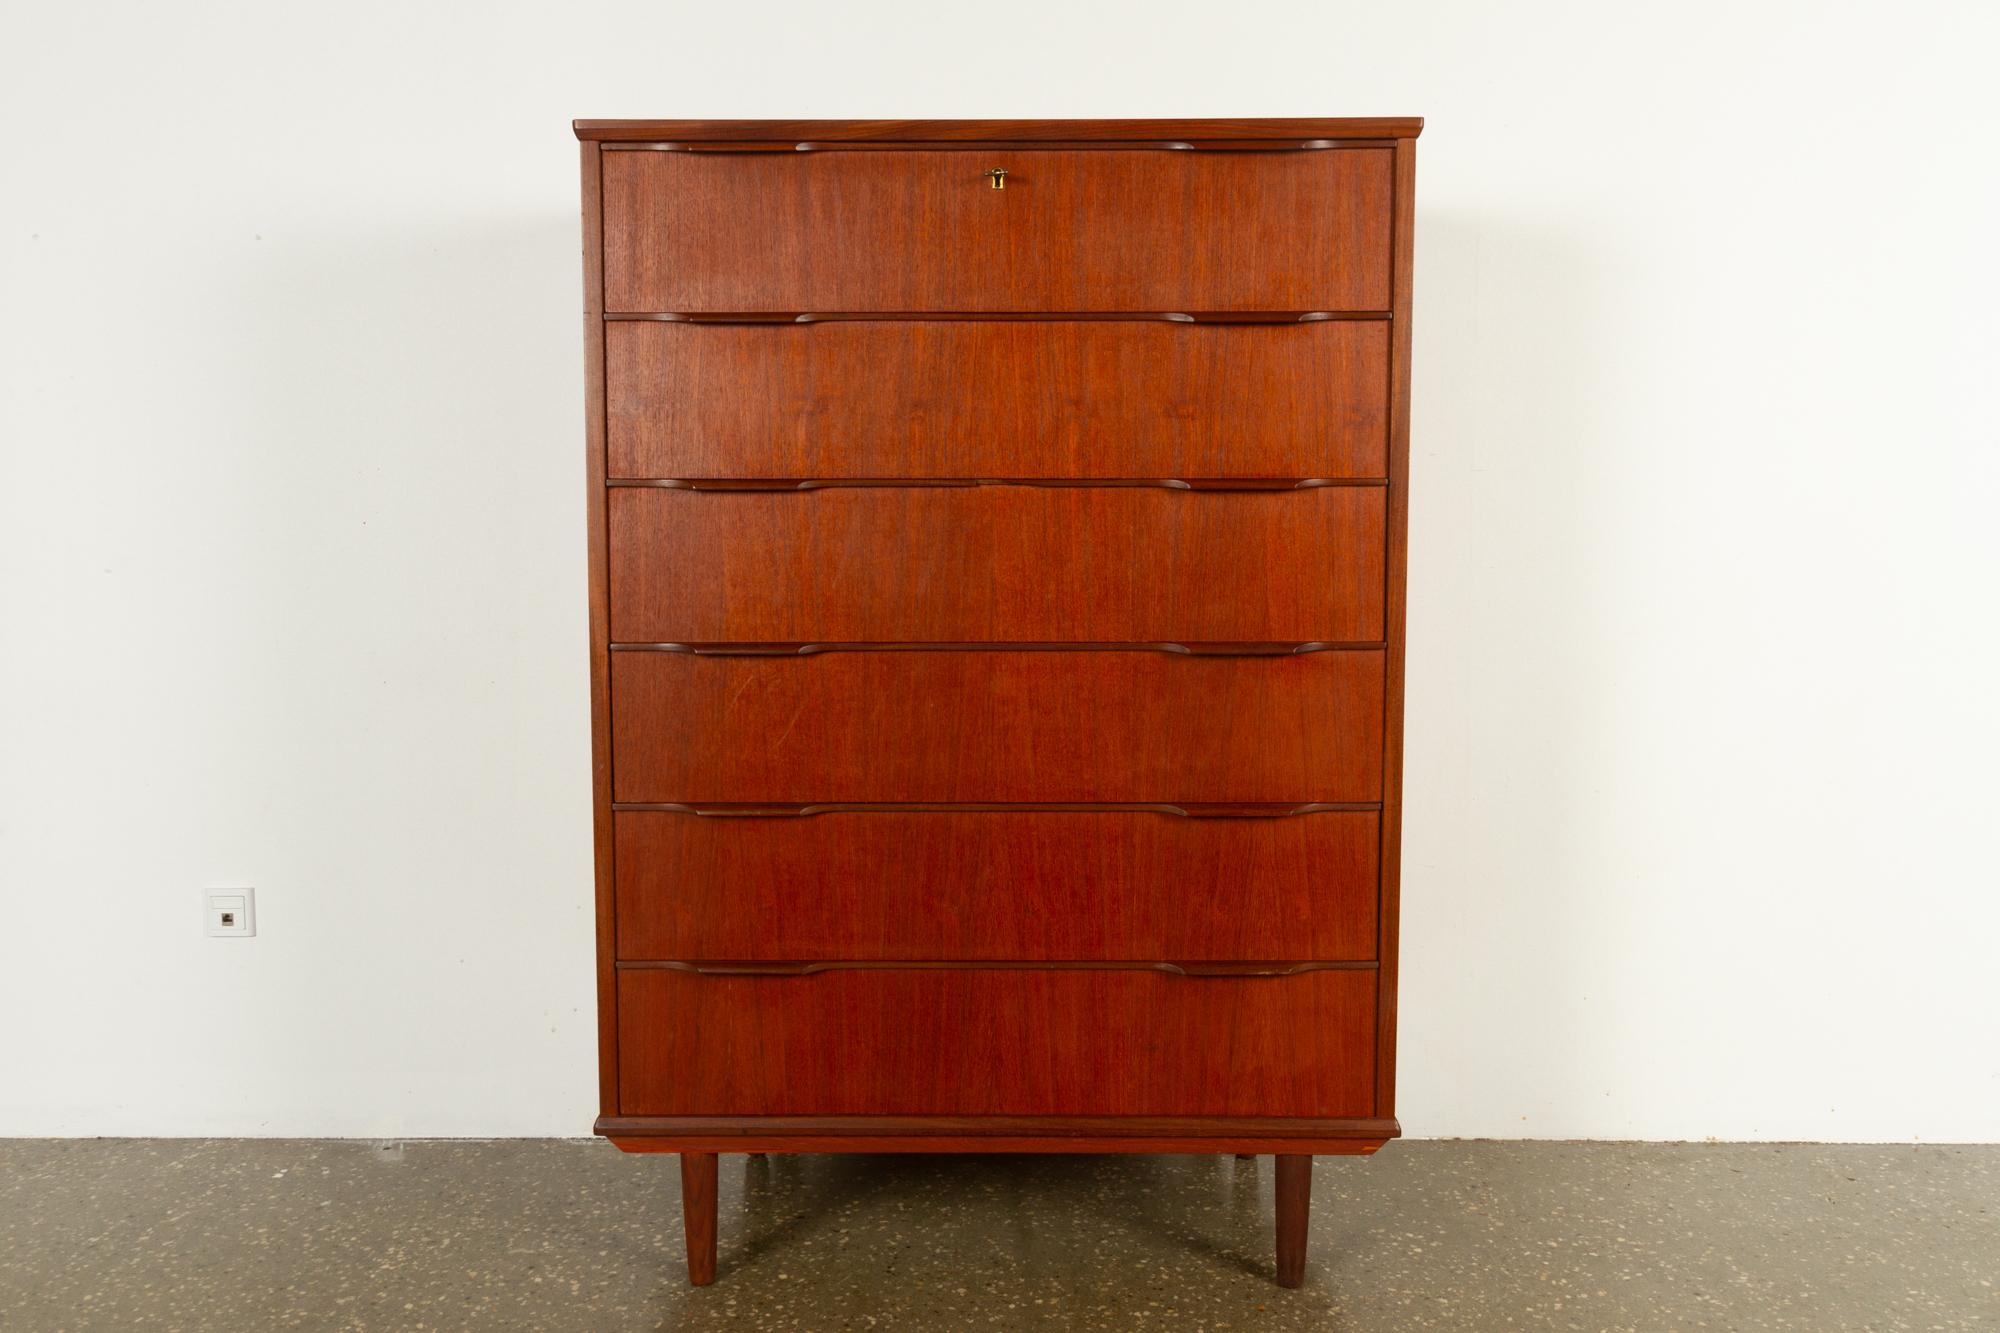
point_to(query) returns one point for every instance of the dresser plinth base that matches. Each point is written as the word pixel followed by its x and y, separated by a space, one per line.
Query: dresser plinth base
pixel 698 1140
pixel 1246 1136
pixel 759 1145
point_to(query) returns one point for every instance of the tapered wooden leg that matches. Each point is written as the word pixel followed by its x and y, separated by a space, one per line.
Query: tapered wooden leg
pixel 1295 1183
pixel 698 1214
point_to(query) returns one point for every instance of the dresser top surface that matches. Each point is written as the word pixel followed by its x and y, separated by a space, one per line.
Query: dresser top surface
pixel 945 131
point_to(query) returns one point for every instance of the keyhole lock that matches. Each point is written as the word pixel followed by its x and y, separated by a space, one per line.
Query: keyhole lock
pixel 998 175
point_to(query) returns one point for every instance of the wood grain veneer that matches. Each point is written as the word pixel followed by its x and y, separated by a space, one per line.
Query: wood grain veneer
pixel 986 884
pixel 920 231
pixel 937 398
pixel 984 1042
pixel 1008 564
pixel 997 726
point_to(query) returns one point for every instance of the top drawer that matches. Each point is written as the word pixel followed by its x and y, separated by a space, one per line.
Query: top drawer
pixel 917 230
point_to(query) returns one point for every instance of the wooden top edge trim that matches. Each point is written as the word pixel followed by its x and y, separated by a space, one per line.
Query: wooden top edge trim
pixel 807 147
pixel 732 131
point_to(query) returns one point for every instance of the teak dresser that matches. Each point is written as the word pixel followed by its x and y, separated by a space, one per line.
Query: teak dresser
pixel 996 631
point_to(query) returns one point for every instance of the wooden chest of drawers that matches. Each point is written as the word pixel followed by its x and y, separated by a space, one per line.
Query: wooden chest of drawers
pixel 996 610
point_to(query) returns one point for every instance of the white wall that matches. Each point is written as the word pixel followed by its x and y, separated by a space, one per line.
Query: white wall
pixel 1701 834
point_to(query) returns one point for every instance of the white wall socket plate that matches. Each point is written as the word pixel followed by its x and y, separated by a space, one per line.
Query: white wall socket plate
pixel 232 913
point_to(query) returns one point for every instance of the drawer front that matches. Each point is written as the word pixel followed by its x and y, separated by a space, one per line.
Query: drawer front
pixel 997 726
pixel 923 231
pixel 1009 564
pixel 928 1041
pixel 959 885
pixel 940 398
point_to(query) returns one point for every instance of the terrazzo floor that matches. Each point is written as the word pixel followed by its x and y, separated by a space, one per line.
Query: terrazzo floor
pixel 548 1235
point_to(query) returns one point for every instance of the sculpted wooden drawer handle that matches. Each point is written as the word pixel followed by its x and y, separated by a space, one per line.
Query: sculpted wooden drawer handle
pixel 1190 810
pixel 803 317
pixel 1192 970
pixel 962 483
pixel 905 646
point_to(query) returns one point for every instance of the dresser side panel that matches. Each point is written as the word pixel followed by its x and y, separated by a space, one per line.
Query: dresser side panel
pixel 1395 600
pixel 600 627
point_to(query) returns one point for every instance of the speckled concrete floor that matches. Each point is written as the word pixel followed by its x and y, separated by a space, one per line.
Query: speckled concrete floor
pixel 262 1234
